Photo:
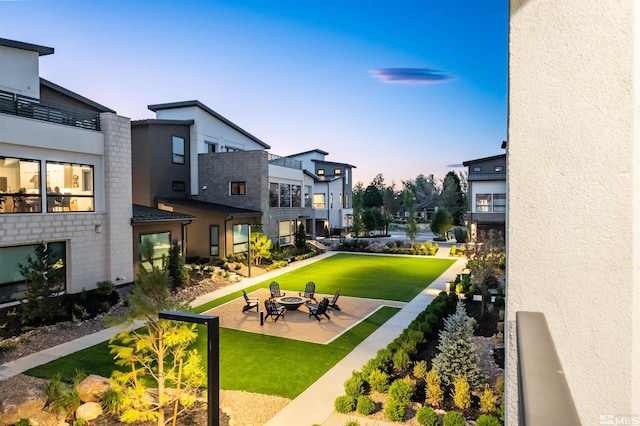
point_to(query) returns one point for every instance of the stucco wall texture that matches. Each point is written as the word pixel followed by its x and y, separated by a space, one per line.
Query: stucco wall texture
pixel 573 226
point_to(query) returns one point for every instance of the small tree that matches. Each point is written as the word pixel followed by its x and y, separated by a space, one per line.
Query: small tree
pixel 484 259
pixel 412 224
pixel 158 352
pixel 44 278
pixel 461 393
pixel 177 272
pixel 301 238
pixel 458 356
pixel 260 247
pixel 441 222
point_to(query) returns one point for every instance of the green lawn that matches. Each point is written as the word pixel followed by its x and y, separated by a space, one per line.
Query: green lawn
pixel 257 363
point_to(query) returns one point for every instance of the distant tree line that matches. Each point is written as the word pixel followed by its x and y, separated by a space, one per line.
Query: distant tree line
pixel 377 204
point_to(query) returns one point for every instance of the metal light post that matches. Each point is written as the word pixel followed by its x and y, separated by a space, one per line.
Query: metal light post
pixel 213 358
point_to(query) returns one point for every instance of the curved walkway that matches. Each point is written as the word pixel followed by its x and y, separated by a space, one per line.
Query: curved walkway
pixel 315 404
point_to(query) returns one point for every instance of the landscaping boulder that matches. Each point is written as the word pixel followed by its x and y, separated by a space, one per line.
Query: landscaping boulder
pixel 89 411
pixel 92 387
pixel 23 404
pixel 375 247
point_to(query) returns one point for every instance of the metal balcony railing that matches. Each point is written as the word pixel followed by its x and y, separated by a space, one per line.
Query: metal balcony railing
pixel 285 162
pixel 53 112
pixel 543 393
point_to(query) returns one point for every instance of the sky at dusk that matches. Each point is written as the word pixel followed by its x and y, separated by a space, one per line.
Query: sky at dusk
pixel 398 88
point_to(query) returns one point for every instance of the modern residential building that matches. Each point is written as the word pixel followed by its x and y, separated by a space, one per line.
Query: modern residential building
pixel 332 192
pixel 65 171
pixel 573 216
pixel 191 160
pixel 487 208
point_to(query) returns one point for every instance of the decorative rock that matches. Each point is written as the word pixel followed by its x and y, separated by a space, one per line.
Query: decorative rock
pixel 376 247
pixel 92 387
pixel 23 404
pixel 89 411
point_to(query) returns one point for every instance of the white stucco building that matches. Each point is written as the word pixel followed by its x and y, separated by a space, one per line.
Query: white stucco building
pixel 573 219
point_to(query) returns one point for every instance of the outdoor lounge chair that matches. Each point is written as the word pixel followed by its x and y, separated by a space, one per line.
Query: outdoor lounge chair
pixel 333 303
pixel 275 290
pixel 274 310
pixel 319 309
pixel 309 292
pixel 251 302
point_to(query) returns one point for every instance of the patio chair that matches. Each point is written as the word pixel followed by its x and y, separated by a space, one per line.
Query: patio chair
pixel 333 303
pixel 309 292
pixel 251 302
pixel 275 290
pixel 274 310
pixel 319 309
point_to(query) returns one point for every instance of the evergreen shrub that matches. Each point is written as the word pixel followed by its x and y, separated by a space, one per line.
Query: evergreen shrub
pixel 354 386
pixel 345 404
pixel 379 381
pixel 365 405
pixel 487 420
pixel 454 418
pixel 426 416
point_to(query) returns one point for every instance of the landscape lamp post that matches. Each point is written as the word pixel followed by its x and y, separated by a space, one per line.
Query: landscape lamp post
pixel 213 358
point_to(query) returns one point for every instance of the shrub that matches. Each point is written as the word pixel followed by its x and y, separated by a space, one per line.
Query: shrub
pixel 435 394
pixel 401 360
pixel 354 386
pixel 111 401
pixel 461 393
pixel 454 418
pixel 345 404
pixel 352 423
pixel 499 386
pixel 379 381
pixel 395 410
pixel 401 391
pixel 420 370
pixel 461 235
pixel 487 400
pixel 487 420
pixel 23 422
pixel 365 405
pixel 177 272
pixel 453 250
pixel 426 416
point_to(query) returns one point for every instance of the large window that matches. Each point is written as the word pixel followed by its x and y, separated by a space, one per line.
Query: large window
pixel 286 232
pixel 12 285
pixel 318 201
pixel 240 238
pixel 483 203
pixel 69 187
pixel 296 195
pixel 238 188
pixel 214 238
pixel 161 245
pixel 20 185
pixel 307 196
pixel 273 195
pixel 178 150
pixel 487 203
pixel 285 195
pixel 499 203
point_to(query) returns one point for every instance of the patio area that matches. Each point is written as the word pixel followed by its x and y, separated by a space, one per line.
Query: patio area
pixel 296 324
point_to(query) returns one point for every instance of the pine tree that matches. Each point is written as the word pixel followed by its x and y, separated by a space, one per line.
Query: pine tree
pixel 458 356
pixel 157 352
pixel 44 277
pixel 177 271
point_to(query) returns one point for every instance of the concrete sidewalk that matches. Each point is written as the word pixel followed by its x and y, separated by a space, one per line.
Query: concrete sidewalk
pixel 315 404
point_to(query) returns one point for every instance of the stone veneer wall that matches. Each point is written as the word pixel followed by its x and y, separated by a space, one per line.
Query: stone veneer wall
pixel 216 170
pixel 117 169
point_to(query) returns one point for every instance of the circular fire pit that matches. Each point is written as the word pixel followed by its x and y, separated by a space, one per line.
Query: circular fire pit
pixel 291 303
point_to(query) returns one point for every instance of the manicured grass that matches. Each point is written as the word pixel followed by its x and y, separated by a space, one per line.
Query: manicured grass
pixel 375 277
pixel 285 367
pixel 249 362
